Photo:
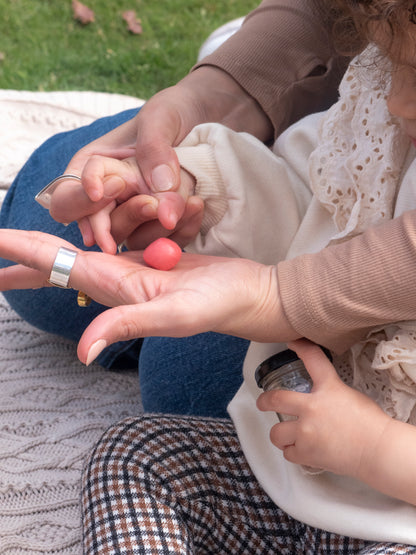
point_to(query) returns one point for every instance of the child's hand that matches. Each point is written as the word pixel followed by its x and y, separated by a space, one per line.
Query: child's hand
pixel 337 427
pixel 113 202
pixel 142 219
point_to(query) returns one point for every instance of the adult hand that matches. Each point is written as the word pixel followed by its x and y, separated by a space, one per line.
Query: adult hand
pixel 337 428
pixel 206 94
pixel 97 221
pixel 200 294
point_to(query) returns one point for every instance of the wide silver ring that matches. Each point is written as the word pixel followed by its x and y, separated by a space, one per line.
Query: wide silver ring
pixel 62 267
pixel 45 195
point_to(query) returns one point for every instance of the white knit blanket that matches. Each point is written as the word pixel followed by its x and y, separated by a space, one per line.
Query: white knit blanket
pixel 52 408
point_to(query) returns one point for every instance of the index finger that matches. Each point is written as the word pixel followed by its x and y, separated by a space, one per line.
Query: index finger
pixel 32 249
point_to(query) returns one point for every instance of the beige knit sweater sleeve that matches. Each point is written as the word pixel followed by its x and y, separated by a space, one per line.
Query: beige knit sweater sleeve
pixel 283 57
pixel 255 201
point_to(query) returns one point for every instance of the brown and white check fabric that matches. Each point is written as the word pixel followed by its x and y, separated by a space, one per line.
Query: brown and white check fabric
pixel 158 485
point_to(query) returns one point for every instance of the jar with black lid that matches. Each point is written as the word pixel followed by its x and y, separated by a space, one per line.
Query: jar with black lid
pixel 284 370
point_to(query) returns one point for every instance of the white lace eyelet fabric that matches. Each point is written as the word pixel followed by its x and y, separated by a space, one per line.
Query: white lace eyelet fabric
pixel 355 170
pixel 356 174
pixel 384 368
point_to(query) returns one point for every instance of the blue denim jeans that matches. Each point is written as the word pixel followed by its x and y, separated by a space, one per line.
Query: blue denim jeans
pixel 196 375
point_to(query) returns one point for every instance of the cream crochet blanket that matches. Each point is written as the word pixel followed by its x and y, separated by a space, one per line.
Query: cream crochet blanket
pixel 52 408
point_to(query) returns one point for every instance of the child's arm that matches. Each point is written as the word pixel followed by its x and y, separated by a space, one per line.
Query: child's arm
pixel 341 430
pixel 239 199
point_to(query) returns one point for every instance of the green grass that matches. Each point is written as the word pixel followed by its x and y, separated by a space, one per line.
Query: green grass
pixel 42 48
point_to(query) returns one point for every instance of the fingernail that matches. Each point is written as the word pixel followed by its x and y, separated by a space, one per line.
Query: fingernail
pixel 162 178
pixel 44 198
pixel 95 349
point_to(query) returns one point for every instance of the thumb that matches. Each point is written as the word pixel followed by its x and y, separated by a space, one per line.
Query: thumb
pixel 316 362
pixel 126 322
pixel 157 134
pixel 112 325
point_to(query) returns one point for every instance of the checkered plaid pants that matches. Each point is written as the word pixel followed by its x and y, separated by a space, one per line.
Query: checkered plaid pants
pixel 158 485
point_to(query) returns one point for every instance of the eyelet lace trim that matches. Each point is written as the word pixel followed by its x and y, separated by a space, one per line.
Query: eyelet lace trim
pixel 355 173
pixel 356 168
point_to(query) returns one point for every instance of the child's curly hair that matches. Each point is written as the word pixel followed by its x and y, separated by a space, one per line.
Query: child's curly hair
pixel 355 20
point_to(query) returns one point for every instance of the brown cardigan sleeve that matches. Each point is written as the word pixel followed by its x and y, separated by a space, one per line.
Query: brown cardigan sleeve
pixel 282 56
pixel 336 296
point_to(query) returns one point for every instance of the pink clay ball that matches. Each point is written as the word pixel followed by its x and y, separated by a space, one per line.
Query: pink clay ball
pixel 162 254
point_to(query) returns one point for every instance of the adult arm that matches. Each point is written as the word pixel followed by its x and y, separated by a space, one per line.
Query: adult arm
pixel 284 58
pixel 336 296
pixel 332 297
pixel 202 293
pixel 278 67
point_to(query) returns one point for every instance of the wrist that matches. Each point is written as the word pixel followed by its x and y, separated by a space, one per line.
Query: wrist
pixel 276 327
pixel 371 461
pixel 223 100
pixel 188 183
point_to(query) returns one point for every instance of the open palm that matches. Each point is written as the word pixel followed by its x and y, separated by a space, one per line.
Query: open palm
pixel 202 293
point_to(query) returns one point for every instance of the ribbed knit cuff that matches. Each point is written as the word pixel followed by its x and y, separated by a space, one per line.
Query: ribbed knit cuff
pixel 200 162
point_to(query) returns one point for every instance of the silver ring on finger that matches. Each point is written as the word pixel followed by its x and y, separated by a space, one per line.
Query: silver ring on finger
pixel 62 266
pixel 44 196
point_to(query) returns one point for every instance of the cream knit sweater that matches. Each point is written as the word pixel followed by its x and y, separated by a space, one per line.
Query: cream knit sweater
pixel 52 408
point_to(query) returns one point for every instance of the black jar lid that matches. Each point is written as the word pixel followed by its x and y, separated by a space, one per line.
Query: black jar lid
pixel 273 363
pixel 277 361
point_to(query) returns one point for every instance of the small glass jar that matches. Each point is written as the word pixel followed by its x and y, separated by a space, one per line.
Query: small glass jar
pixel 283 370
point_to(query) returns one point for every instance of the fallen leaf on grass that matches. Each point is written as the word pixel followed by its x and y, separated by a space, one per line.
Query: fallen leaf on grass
pixel 2 56
pixel 134 25
pixel 82 13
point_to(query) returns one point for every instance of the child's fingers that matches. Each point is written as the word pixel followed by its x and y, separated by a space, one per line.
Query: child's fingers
pixel 148 232
pixel 142 235
pixel 86 231
pixel 315 360
pixel 133 215
pixel 69 202
pixel 101 228
pixel 103 180
pixel 118 143
pixel 100 173
pixel 282 401
pixel 283 434
pixel 190 224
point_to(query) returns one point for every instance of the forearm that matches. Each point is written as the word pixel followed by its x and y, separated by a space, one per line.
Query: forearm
pixel 223 100
pixel 245 186
pixel 283 57
pixel 336 296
